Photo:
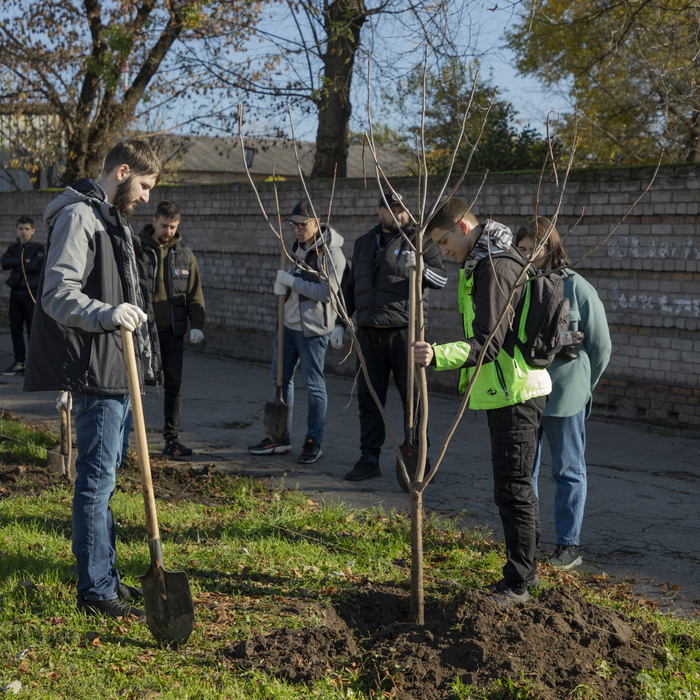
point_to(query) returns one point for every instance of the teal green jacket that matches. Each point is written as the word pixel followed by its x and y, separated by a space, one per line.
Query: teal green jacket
pixel 504 378
pixel 573 381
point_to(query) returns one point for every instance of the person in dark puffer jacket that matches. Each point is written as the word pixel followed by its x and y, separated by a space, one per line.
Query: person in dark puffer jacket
pixel 176 287
pixel 88 291
pixel 25 258
pixel 376 291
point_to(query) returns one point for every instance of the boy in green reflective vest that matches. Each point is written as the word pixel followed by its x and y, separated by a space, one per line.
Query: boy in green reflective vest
pixel 512 393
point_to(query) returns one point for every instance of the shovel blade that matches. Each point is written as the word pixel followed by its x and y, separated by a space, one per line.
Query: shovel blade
pixel 275 422
pixel 170 618
pixel 409 452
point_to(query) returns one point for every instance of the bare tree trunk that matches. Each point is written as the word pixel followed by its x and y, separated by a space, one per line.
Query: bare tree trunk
pixel 417 578
pixel 344 21
pixel 88 146
pixel 417 582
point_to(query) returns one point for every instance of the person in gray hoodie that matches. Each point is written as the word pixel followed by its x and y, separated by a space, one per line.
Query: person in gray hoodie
pixel 309 319
pixel 90 288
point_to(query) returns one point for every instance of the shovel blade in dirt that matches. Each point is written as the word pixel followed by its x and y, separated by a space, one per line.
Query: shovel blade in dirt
pixel 168 602
pixel 275 421
pixel 166 594
pixel 409 453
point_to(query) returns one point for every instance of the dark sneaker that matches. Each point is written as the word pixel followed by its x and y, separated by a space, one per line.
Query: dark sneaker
pixel 110 608
pixel 311 452
pixel 174 448
pixel 502 594
pixel 129 594
pixel 270 447
pixel 367 467
pixel 15 368
pixel 565 557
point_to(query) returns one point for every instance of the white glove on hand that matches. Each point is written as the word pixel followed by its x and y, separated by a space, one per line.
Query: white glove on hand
pixel 280 289
pixel 196 336
pixel 64 400
pixel 284 278
pixel 129 316
pixel 337 336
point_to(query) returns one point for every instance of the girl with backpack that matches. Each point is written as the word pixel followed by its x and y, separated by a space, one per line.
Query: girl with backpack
pixel 574 377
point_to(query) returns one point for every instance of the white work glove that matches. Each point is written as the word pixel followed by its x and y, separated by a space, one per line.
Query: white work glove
pixel 64 400
pixel 284 278
pixel 337 337
pixel 196 336
pixel 129 316
pixel 280 289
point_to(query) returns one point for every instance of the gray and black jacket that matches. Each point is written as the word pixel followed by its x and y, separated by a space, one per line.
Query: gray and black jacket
pixel 317 313
pixel 25 260
pixel 91 267
pixel 376 288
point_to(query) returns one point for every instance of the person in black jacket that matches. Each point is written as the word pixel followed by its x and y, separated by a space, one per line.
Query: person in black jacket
pixel 25 258
pixel 376 291
pixel 91 288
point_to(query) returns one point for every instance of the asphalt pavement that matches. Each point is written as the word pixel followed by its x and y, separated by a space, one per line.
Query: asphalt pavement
pixel 642 521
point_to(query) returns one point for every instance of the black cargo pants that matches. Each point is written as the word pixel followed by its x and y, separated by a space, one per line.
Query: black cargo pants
pixel 513 443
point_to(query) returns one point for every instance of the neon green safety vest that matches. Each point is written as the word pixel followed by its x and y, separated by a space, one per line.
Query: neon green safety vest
pixel 506 381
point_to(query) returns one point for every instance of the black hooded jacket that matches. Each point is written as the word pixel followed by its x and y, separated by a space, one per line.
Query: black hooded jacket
pixel 376 287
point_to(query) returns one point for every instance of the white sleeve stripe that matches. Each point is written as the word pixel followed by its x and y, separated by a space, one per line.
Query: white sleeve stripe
pixel 434 277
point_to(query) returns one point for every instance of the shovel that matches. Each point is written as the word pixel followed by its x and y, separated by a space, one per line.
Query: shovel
pixel 409 450
pixel 166 594
pixel 277 411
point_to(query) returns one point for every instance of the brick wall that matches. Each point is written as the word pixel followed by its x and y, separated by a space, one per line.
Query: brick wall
pixel 646 272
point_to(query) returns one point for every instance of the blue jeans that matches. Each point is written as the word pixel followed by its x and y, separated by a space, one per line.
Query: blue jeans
pixel 99 431
pixel 311 354
pixel 567 443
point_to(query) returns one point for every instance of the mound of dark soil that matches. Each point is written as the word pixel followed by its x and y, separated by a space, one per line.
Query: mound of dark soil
pixel 555 643
pixel 172 482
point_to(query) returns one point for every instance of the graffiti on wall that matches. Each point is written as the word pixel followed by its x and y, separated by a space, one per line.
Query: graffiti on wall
pixel 656 303
pixel 644 247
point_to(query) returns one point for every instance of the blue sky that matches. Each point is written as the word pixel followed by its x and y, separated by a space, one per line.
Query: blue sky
pixel 479 31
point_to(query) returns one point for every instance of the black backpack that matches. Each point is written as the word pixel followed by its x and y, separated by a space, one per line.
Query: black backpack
pixel 547 318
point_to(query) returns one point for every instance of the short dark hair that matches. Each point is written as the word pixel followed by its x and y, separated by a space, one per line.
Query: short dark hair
pixel 168 210
pixel 25 220
pixel 450 212
pixel 138 155
pixel 535 228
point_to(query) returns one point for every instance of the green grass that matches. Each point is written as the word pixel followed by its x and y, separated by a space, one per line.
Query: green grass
pixel 247 555
pixel 21 443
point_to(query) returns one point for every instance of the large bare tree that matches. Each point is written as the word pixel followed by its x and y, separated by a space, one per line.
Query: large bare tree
pixel 99 66
pixel 320 47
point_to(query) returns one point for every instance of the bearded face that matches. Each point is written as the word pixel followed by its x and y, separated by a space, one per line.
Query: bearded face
pixel 126 197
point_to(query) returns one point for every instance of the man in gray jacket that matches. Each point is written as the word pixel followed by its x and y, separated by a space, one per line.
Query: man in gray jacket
pixel 90 288
pixel 309 318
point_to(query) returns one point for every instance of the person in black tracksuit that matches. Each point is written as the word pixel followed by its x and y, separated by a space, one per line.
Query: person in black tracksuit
pixel 25 258
pixel 376 291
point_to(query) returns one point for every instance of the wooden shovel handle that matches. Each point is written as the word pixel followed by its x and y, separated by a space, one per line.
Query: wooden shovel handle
pixel 280 330
pixel 141 440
